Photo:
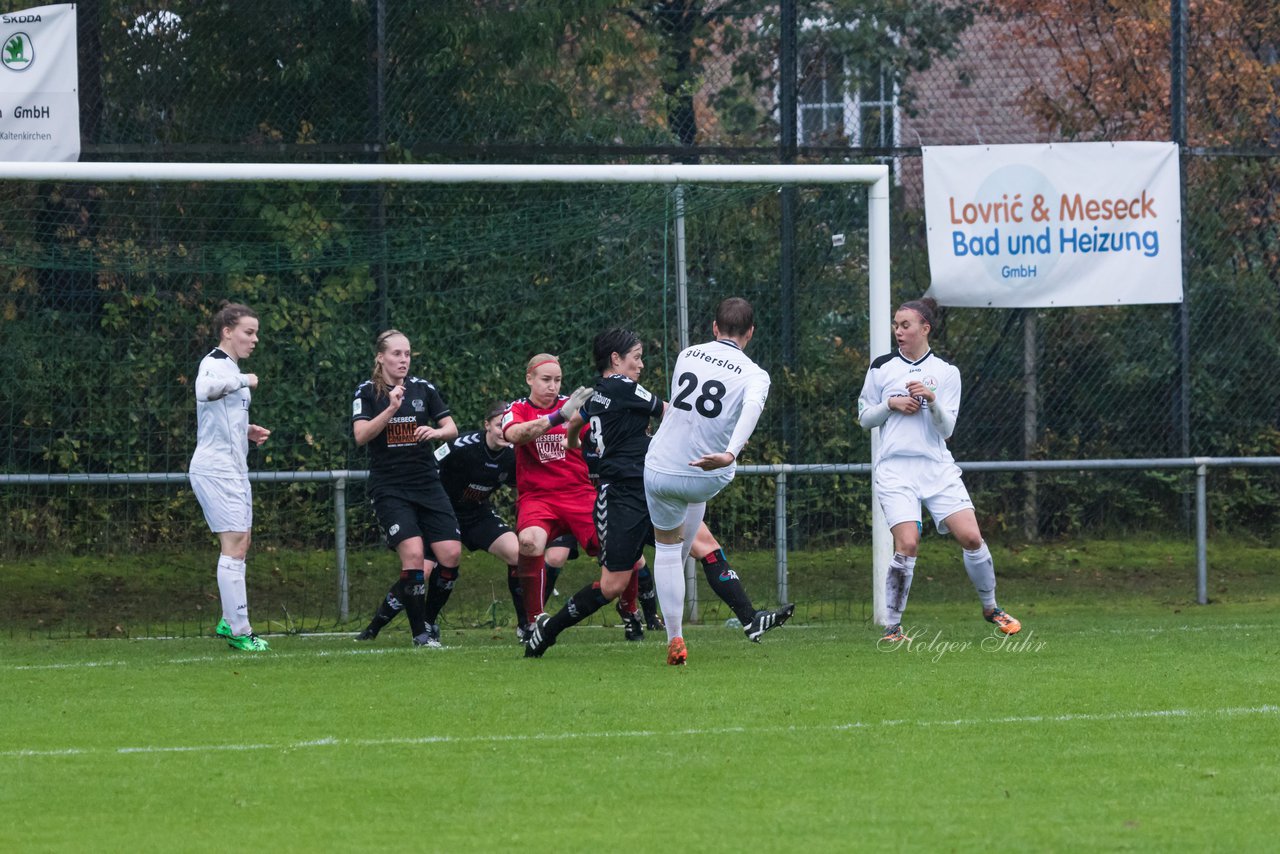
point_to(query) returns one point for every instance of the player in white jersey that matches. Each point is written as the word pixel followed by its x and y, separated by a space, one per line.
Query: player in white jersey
pixel 913 396
pixel 717 395
pixel 219 470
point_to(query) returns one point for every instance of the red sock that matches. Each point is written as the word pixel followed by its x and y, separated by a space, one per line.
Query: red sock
pixel 532 572
pixel 630 598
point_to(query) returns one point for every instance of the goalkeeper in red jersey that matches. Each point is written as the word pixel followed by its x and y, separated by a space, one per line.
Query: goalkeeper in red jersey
pixel 555 492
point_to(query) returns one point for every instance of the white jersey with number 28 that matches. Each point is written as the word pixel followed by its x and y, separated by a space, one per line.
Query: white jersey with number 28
pixel 711 387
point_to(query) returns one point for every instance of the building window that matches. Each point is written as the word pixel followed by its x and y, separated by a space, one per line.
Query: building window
pixel 837 108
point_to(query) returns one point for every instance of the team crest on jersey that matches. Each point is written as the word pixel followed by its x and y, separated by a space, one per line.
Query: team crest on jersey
pixel 418 405
pixel 929 382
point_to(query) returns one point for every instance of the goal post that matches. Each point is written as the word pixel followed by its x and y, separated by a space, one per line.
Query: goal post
pixel 875 178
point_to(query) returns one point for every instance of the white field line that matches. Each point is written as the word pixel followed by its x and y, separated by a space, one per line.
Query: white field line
pixel 223 657
pixel 428 740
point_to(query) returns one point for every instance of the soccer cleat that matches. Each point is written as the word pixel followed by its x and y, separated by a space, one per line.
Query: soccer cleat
pixel 654 623
pixel 224 628
pixel 631 623
pixel 765 620
pixel 368 634
pixel 676 652
pixel 430 638
pixel 522 634
pixel 247 643
pixel 894 634
pixel 539 639
pixel 1003 621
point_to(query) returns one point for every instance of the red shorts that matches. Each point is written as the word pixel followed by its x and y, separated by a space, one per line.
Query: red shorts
pixel 561 515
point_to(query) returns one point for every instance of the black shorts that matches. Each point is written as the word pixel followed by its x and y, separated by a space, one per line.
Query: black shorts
pixel 622 524
pixel 481 527
pixel 425 513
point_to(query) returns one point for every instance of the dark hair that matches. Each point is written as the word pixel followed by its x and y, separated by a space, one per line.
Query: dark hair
pixel 614 340
pixel 495 409
pixel 380 384
pixel 229 315
pixel 734 317
pixel 926 307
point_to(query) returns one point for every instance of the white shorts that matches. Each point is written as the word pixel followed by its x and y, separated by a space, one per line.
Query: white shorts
pixel 227 502
pixel 904 483
pixel 669 495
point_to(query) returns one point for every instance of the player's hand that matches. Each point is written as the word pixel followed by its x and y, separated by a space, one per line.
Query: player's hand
pixel 252 379
pixel 920 391
pixel 423 433
pixel 258 435
pixel 396 396
pixel 905 404
pixel 711 462
pixel 577 400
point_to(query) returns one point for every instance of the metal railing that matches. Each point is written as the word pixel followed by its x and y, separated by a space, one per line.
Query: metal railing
pixel 781 472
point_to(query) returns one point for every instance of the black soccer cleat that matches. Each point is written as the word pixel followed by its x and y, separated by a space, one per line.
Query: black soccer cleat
pixel 654 623
pixel 540 639
pixel 631 624
pixel 763 621
pixel 368 634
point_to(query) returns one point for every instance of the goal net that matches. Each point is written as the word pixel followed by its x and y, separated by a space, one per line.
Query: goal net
pixel 111 273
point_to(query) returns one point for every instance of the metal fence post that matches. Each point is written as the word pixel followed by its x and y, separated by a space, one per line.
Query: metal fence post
pixel 340 546
pixel 1202 535
pixel 780 532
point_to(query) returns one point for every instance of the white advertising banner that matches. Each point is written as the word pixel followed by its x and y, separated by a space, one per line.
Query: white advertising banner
pixel 39 84
pixel 1068 224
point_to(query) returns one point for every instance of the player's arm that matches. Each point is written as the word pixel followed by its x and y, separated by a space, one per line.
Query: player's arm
pixel 944 406
pixel 524 432
pixel 752 405
pixel 215 385
pixel 365 429
pixel 445 431
pixel 872 411
pixel 573 430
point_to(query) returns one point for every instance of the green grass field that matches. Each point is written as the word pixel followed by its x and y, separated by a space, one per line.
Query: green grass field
pixel 1138 725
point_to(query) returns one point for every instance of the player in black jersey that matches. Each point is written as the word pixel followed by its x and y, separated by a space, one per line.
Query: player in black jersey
pixel 618 415
pixel 392 414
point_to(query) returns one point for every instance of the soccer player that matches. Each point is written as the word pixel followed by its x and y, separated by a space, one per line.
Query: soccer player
pixel 219 469
pixel 618 415
pixel 913 396
pixel 392 414
pixel 555 495
pixel 718 394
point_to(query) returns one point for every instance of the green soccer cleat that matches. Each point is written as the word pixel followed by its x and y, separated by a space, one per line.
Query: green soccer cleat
pixel 247 643
pixel 224 629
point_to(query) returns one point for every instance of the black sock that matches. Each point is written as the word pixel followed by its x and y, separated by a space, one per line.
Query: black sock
pixel 553 572
pixel 517 596
pixel 390 605
pixel 725 584
pixel 413 584
pixel 439 589
pixel 648 596
pixel 581 605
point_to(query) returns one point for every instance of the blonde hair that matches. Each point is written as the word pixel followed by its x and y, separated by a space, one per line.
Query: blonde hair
pixel 540 359
pixel 380 384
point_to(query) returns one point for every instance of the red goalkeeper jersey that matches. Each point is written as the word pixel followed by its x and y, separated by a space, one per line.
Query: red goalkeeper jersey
pixel 545 465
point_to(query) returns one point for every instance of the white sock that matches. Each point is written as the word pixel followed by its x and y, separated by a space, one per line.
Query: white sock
pixel 982 572
pixel 897 586
pixel 668 578
pixel 235 599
